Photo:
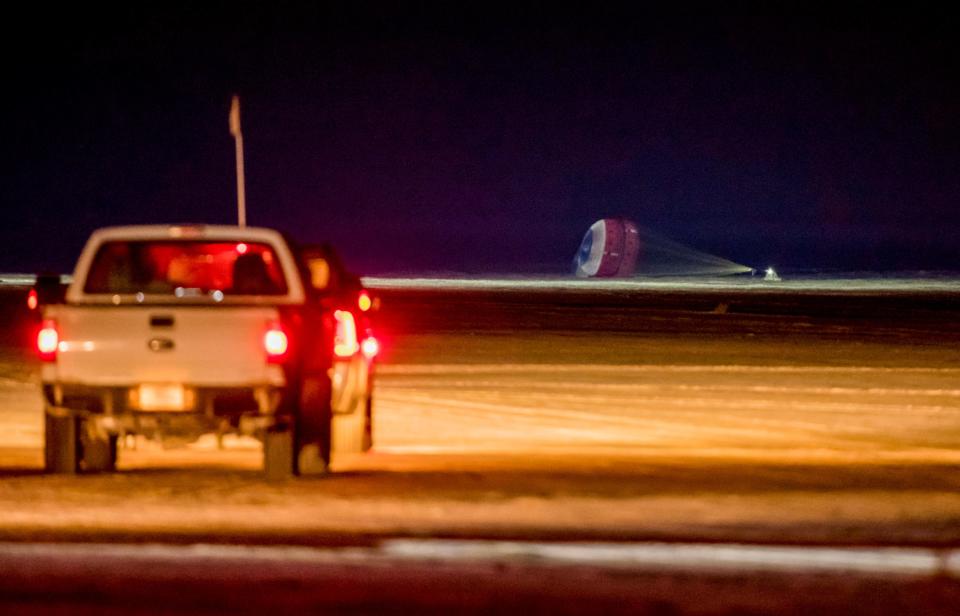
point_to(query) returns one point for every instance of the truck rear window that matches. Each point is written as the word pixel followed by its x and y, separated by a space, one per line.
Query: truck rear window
pixel 184 268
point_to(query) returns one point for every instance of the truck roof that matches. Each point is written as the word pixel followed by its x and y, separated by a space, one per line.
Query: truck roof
pixel 186 231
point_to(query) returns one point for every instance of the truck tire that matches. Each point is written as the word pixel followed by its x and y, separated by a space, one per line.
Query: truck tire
pixel 302 445
pixel 70 448
pixel 368 427
pixel 314 426
pixel 61 446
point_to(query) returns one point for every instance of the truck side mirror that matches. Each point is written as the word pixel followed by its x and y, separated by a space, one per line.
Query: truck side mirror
pixel 319 273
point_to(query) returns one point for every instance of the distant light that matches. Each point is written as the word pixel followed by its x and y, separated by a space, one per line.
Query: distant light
pixel 217 295
pixel 32 300
pixel 242 248
pixel 179 292
pixel 116 300
pixel 771 275
pixel 364 302
pixel 140 297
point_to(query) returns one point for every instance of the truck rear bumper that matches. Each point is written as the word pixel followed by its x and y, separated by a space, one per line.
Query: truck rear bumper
pixel 210 401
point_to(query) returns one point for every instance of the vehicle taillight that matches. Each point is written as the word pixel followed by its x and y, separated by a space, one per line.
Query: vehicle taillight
pixel 33 300
pixel 275 343
pixel 370 347
pixel 48 339
pixel 364 301
pixel 345 343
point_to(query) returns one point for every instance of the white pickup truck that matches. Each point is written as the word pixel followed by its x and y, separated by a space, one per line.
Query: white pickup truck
pixel 191 329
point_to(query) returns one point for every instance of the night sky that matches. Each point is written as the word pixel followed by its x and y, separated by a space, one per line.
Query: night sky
pixel 437 138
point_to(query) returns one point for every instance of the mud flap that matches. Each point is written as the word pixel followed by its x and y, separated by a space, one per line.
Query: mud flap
pixel 349 430
pixel 348 433
pixel 348 385
pixel 349 401
pixel 278 458
pixel 61 447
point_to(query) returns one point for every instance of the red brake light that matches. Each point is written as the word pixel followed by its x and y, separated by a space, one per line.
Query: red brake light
pixel 275 343
pixel 48 339
pixel 370 347
pixel 33 300
pixel 345 343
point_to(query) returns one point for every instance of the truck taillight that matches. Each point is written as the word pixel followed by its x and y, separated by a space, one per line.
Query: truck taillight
pixel 370 347
pixel 48 339
pixel 345 343
pixel 275 343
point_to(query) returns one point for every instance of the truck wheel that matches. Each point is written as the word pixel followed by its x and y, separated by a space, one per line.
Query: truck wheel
pixel 313 426
pixel 61 447
pixel 368 427
pixel 302 446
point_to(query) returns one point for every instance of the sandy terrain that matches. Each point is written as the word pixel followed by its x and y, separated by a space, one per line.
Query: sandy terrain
pixel 774 429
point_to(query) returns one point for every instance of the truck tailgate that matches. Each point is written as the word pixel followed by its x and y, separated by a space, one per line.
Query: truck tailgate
pixel 211 346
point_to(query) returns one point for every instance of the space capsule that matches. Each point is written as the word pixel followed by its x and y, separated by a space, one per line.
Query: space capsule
pixel 610 248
